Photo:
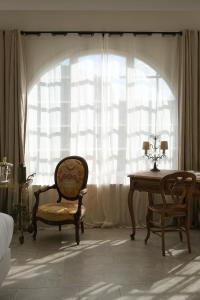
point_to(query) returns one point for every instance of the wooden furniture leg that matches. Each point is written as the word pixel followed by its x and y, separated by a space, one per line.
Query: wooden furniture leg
pixel 163 234
pixel 179 220
pixel 149 218
pixel 82 227
pixel 187 231
pixel 148 227
pixel 77 233
pixel 131 211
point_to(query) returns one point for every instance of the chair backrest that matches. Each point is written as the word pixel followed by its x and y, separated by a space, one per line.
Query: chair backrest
pixel 179 186
pixel 71 176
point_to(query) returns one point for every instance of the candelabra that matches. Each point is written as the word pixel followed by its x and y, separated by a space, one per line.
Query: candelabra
pixel 153 151
pixel 5 170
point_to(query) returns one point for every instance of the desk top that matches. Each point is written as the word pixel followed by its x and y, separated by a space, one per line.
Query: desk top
pixel 158 175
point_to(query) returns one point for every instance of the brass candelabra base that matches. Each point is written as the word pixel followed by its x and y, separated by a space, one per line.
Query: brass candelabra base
pixel 155 169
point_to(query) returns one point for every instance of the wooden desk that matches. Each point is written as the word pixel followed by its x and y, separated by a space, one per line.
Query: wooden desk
pixel 148 181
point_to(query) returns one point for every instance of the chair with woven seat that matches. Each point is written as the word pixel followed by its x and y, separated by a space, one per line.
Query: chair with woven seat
pixel 70 177
pixel 176 193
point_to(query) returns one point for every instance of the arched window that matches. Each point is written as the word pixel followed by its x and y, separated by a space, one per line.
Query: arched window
pixel 102 108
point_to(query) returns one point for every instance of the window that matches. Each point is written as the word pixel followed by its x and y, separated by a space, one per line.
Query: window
pixel 101 107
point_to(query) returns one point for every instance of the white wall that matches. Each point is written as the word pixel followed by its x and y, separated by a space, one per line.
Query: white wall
pixel 100 20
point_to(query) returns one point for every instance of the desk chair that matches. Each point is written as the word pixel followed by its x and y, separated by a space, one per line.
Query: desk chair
pixel 176 192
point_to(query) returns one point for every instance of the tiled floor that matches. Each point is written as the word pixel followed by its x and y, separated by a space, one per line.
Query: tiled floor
pixel 106 265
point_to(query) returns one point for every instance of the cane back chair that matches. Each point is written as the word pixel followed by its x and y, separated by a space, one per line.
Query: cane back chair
pixel 176 193
pixel 70 177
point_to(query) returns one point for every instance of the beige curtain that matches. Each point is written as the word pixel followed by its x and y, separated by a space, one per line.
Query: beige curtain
pixel 189 156
pixel 189 106
pixel 12 104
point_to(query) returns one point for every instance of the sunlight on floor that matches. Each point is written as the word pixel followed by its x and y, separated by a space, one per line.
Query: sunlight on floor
pixel 106 265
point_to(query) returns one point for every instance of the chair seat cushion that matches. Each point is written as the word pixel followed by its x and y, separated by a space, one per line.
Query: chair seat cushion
pixel 59 211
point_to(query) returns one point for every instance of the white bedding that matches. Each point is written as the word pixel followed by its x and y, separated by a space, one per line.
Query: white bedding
pixel 6 232
pixel 4 266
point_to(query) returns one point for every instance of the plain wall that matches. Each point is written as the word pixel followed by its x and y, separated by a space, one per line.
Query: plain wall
pixel 100 21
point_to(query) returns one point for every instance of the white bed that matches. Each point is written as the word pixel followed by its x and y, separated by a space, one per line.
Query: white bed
pixel 6 232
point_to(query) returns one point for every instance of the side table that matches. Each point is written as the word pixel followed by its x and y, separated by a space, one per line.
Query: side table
pixel 22 208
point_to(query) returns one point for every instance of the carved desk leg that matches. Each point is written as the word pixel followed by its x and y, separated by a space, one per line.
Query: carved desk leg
pixel 130 206
pixel 149 217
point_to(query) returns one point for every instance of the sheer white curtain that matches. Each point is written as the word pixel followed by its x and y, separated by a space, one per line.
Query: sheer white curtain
pixel 101 97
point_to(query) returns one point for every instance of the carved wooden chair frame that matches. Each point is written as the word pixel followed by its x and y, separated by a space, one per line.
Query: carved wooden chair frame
pixel 179 186
pixel 77 216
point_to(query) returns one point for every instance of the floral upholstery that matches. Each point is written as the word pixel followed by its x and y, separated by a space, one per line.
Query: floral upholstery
pixel 62 211
pixel 69 177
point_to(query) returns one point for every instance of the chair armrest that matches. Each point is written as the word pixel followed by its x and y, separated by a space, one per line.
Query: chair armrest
pixel 37 197
pixel 44 189
pixel 83 192
pixel 80 196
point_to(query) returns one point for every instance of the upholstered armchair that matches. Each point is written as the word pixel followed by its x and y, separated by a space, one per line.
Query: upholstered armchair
pixel 71 176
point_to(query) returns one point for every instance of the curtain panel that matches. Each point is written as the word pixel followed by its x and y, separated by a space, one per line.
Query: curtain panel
pixel 12 105
pixel 100 98
pixel 189 101
pixel 189 107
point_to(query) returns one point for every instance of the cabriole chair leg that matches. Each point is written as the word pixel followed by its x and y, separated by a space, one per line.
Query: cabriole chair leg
pixel 82 227
pixel 77 234
pixel 34 230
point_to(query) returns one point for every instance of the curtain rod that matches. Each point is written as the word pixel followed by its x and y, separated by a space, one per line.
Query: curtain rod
pixel 101 32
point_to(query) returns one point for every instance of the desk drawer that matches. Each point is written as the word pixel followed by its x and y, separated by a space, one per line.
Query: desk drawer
pixel 147 186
